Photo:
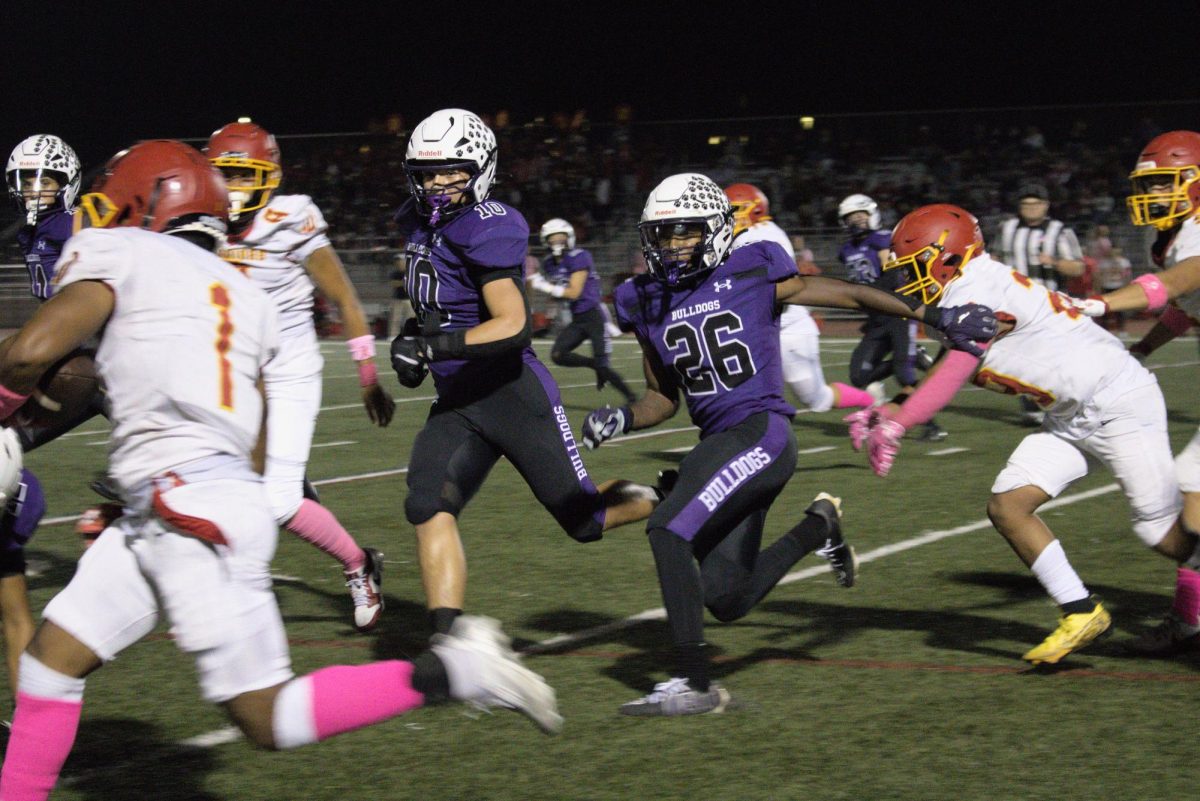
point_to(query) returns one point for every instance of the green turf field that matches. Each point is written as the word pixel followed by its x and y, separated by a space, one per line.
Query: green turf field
pixel 908 686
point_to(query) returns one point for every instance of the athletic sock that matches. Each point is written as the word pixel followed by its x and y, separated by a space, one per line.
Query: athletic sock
pixel 342 698
pixel 44 725
pixel 1187 596
pixel 442 618
pixel 316 524
pixel 846 396
pixel 1056 575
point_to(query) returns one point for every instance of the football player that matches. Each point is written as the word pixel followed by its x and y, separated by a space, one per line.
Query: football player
pixel 1166 195
pixel 1098 399
pixel 466 256
pixel 707 318
pixel 43 175
pixel 863 253
pixel 801 352
pixel 199 536
pixel 280 242
pixel 568 273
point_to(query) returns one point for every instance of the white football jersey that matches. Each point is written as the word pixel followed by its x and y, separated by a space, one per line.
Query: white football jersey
pixel 187 340
pixel 1185 245
pixel 273 250
pixel 1054 354
pixel 797 316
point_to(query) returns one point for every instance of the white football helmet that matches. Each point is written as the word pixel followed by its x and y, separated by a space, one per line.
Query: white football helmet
pixel 38 154
pixel 558 226
pixel 448 139
pixel 12 459
pixel 687 199
pixel 855 203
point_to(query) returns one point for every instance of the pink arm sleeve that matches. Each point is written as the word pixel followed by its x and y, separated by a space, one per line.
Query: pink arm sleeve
pixel 937 389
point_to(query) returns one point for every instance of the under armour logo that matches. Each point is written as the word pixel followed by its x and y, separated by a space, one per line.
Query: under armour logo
pixel 41 244
pixel 719 285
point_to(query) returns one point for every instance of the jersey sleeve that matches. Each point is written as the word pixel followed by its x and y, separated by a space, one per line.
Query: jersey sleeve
pixel 880 240
pixel 94 255
pixel 582 262
pixel 1068 245
pixel 780 266
pixel 497 240
pixel 311 229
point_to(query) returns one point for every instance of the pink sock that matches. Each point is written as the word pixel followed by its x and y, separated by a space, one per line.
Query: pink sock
pixel 848 396
pixel 43 731
pixel 316 524
pixel 1187 596
pixel 345 698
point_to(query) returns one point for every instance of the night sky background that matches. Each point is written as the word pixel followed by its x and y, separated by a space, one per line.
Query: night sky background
pixel 103 75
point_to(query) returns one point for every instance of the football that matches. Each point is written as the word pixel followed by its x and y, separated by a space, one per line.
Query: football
pixel 67 395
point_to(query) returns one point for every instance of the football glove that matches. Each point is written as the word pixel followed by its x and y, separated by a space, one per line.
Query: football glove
pixel 1091 307
pixel 966 325
pixel 860 426
pixel 408 360
pixel 883 443
pixel 604 424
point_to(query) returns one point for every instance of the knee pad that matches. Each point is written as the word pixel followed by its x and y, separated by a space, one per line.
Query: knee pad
pixel 420 508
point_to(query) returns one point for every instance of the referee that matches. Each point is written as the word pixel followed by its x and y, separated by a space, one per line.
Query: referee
pixel 1038 246
pixel 1045 249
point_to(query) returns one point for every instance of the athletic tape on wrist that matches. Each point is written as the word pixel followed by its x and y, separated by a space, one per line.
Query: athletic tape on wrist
pixel 361 348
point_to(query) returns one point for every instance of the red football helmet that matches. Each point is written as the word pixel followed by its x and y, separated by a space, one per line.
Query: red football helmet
pixel 160 185
pixel 750 206
pixel 244 146
pixel 932 244
pixel 1166 180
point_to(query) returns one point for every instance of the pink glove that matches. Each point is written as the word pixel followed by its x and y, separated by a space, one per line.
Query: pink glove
pixel 860 426
pixel 883 443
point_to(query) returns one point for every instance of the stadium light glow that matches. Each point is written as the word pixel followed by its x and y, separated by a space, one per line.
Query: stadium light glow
pixel 807 123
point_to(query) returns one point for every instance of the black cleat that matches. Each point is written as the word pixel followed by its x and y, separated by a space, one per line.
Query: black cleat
pixel 840 555
pixel 666 483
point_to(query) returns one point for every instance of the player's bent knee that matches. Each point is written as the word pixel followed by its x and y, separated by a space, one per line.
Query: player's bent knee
pixel 420 509
pixel 1152 526
pixel 557 355
pixel 284 501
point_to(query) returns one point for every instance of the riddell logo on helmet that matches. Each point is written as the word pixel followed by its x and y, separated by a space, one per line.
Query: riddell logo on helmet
pixel 664 212
pixel 429 154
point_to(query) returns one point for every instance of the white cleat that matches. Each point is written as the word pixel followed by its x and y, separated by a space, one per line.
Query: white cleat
pixel 485 672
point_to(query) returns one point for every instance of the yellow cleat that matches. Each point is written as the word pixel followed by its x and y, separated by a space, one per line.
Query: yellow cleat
pixel 1073 632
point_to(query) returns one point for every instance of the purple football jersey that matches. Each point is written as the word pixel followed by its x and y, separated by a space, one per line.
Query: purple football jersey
pixel 42 244
pixel 861 256
pixel 560 271
pixel 446 268
pixel 720 335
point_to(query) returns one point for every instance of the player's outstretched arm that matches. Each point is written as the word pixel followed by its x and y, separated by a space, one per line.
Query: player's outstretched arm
pixel 72 316
pixel 1150 291
pixel 330 277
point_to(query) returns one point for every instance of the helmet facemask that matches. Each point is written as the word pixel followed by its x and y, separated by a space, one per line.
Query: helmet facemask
pixel 1161 195
pixel 443 201
pixel 250 183
pixel 929 269
pixel 678 265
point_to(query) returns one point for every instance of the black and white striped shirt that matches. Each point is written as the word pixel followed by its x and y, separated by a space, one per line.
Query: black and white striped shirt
pixel 1021 244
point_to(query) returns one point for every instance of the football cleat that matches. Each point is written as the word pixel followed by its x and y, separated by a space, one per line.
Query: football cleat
pixel 840 555
pixel 924 360
pixel 665 483
pixel 1171 636
pixel 675 697
pixel 931 432
pixel 95 519
pixel 1073 632
pixel 364 585
pixel 490 673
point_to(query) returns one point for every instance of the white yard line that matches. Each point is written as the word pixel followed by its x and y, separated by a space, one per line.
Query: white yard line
pixel 946 451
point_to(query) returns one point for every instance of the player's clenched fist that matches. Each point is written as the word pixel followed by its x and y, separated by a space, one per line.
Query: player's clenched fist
pixel 408 360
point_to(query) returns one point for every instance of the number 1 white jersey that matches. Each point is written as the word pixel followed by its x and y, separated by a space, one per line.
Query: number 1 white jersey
pixel 1185 245
pixel 273 250
pixel 181 354
pixel 1053 354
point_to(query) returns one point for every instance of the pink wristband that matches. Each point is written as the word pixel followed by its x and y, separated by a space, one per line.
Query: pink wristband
pixel 361 348
pixel 1175 320
pixel 1155 289
pixel 366 374
pixel 10 401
